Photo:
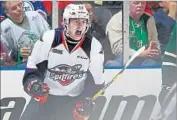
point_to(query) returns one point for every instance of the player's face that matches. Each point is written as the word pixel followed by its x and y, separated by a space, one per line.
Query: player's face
pixel 137 7
pixel 14 10
pixel 77 27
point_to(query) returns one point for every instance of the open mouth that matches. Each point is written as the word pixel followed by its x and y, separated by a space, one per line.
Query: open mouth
pixel 78 32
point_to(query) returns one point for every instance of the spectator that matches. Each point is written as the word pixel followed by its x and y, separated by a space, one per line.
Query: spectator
pixel 164 22
pixel 27 6
pixel 172 9
pixel 148 9
pixel 149 5
pixel 142 32
pixel 21 30
pixel 99 17
pixel 5 59
pixel 96 29
pixel 4 53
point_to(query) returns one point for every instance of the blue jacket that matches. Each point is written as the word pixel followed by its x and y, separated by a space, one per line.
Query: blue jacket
pixel 164 25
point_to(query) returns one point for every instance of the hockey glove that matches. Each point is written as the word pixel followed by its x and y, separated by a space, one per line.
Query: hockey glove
pixel 38 90
pixel 83 109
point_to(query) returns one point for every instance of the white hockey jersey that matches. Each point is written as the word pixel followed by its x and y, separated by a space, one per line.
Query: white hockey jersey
pixel 26 34
pixel 65 72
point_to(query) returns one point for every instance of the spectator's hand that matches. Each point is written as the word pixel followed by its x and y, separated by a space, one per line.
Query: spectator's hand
pixel 149 53
pixel 3 58
pixel 6 60
pixel 25 52
pixel 152 50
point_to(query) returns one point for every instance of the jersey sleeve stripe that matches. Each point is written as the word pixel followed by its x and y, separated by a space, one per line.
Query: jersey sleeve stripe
pixel 169 64
pixel 170 54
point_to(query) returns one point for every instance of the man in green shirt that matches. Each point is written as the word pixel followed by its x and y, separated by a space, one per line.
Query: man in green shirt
pixel 142 31
pixel 138 34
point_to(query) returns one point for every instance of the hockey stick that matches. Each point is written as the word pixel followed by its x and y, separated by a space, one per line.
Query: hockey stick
pixel 101 91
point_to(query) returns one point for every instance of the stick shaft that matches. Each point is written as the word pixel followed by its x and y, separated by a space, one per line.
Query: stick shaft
pixel 101 91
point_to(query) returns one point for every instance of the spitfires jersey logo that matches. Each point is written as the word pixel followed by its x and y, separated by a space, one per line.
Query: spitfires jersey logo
pixel 66 74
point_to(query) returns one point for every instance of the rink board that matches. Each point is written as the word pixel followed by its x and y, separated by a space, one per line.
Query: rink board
pixel 132 84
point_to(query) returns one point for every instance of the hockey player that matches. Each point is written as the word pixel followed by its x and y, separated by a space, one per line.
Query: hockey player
pixel 57 74
pixel 167 96
pixel 21 30
pixel 169 64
